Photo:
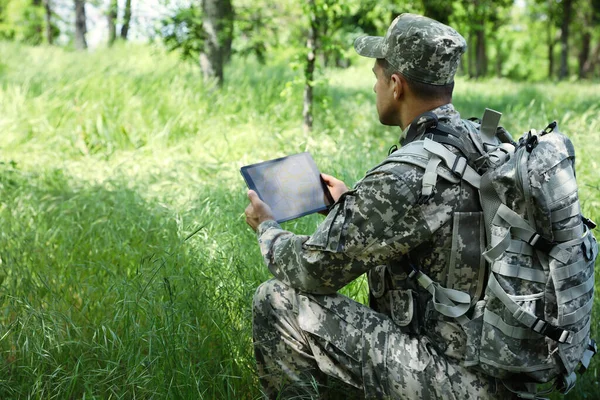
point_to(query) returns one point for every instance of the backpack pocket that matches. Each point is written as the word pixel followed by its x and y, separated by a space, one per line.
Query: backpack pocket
pixel 327 237
pixel 508 347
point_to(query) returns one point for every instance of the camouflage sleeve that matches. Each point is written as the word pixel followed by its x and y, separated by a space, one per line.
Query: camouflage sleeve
pixel 369 225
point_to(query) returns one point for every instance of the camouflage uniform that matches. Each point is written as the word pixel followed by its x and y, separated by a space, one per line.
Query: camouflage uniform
pixel 399 347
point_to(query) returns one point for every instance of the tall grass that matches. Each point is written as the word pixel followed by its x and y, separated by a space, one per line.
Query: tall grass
pixel 126 268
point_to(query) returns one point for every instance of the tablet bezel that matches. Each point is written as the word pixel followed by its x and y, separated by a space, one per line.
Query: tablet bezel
pixel 313 168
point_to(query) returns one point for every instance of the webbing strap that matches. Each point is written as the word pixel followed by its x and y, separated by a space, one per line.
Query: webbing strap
pixel 449 302
pixel 568 234
pixel 497 250
pixel 561 252
pixel 430 176
pixel 509 330
pixel 568 271
pixel 414 154
pixel 531 389
pixel 475 138
pixel 526 318
pixel 588 353
pixel 566 212
pixel 489 124
pixel 577 315
pixel 568 382
pixel 515 271
pixel 457 164
pixel 514 219
pixel 520 247
pixel 582 334
pixel 564 296
pixel 519 228
pixel 521 315
pixel 562 183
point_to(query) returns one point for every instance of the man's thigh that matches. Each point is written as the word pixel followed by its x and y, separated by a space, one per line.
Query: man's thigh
pixel 351 341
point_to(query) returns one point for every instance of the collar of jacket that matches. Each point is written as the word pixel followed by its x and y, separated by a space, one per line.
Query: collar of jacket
pixel 425 121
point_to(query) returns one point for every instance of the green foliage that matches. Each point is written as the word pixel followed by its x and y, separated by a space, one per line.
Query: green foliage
pixel 22 21
pixel 183 32
pixel 126 268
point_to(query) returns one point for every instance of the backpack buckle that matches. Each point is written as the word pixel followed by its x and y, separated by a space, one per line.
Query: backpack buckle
pixel 553 332
pixel 424 198
pixel 551 126
pixel 414 271
pixel 532 142
pixel 588 222
pixel 541 243
pixel 459 167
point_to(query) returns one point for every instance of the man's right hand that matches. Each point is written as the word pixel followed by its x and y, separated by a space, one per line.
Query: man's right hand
pixel 336 187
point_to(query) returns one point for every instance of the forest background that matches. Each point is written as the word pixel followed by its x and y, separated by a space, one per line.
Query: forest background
pixel 126 267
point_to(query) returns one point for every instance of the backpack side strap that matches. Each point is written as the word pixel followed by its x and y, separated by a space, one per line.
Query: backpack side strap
pixel 526 318
pixel 449 302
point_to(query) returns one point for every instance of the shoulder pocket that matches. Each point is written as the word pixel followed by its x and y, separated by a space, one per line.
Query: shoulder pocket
pixel 327 235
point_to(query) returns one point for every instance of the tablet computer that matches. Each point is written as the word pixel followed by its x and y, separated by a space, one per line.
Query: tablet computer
pixel 291 186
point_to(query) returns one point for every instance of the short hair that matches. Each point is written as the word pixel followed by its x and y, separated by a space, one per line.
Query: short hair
pixel 423 91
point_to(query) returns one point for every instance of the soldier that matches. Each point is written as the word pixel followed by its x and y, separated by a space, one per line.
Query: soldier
pixel 399 347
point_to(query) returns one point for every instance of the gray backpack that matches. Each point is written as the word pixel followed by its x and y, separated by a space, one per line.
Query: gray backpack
pixel 533 324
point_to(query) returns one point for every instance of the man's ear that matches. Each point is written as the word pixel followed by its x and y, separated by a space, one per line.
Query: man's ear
pixel 398 85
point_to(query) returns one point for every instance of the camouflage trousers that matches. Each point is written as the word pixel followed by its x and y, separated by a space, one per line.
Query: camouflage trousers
pixel 301 339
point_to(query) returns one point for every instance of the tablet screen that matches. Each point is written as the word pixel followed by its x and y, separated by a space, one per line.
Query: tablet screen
pixel 291 186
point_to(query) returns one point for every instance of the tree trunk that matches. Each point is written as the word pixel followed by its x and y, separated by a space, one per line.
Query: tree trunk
pixel 311 45
pixel 48 18
pixel 38 24
pixel 593 61
pixel 584 54
pixel 471 55
pixel 113 10
pixel 499 57
pixel 564 39
pixel 481 56
pixel 550 39
pixel 218 26
pixel 126 20
pixel 80 25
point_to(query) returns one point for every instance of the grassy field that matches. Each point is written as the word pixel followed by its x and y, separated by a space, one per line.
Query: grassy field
pixel 126 267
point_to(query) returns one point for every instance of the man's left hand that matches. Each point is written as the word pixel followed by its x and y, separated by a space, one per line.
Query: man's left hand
pixel 257 211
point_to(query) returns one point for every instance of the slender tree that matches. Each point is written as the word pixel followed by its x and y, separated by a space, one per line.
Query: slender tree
pixel 567 10
pixel 111 15
pixel 586 42
pixel 126 20
pixel 48 21
pixel 311 45
pixel 37 22
pixel 217 24
pixel 589 61
pixel 550 37
pixel 80 25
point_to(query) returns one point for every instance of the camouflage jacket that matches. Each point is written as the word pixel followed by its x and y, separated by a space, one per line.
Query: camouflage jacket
pixel 380 227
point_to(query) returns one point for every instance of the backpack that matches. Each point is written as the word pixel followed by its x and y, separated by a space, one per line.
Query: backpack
pixel 533 324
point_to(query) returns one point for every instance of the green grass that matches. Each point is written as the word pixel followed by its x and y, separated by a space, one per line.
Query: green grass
pixel 126 267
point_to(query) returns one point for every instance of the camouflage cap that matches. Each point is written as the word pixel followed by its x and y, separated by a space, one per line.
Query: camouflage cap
pixel 420 48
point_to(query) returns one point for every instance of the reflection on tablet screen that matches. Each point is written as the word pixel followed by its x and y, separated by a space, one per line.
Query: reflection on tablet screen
pixel 291 186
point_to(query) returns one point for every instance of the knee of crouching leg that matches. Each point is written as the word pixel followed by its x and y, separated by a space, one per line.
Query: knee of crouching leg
pixel 273 294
